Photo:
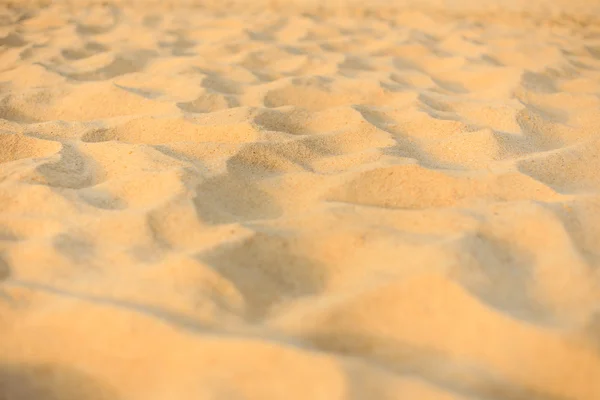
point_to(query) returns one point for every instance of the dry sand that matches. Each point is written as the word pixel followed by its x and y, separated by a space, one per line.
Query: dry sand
pixel 300 201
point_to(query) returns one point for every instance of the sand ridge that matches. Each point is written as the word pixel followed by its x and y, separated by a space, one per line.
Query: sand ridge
pixel 294 201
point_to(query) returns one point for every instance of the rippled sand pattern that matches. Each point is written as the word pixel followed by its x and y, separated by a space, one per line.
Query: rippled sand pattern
pixel 202 204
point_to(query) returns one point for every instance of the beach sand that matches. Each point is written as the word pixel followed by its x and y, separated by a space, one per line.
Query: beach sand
pixel 307 200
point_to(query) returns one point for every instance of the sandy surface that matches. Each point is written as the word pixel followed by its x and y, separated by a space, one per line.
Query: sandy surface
pixel 300 202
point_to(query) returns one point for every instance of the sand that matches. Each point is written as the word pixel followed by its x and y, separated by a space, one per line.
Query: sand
pixel 308 200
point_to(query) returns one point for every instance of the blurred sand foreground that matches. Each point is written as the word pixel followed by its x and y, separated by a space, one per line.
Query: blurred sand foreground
pixel 300 201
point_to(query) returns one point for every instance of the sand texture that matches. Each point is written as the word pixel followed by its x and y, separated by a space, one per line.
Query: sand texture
pixel 283 202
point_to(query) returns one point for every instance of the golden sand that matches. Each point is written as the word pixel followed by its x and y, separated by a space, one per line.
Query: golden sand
pixel 300 200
